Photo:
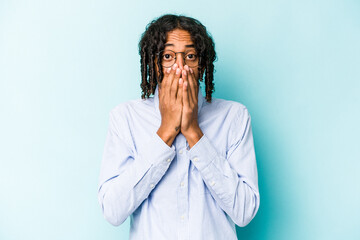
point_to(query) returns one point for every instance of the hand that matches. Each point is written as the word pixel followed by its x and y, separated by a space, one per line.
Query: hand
pixel 170 104
pixel 189 120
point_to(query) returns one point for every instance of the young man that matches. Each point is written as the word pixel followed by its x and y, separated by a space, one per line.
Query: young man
pixel 181 165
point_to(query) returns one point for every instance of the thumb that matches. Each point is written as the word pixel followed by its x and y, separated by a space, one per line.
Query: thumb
pixel 180 91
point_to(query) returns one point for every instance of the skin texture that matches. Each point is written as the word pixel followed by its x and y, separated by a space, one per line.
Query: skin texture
pixel 178 94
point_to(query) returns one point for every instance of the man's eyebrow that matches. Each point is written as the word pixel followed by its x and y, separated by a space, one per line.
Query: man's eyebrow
pixel 172 45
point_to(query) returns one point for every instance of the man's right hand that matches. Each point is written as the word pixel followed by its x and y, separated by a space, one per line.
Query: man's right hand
pixel 170 104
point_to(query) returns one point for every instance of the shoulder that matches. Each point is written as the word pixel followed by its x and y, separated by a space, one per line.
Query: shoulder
pixel 238 117
pixel 124 109
pixel 123 116
pixel 232 109
pixel 219 102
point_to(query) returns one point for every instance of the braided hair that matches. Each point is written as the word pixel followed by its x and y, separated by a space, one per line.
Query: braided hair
pixel 153 40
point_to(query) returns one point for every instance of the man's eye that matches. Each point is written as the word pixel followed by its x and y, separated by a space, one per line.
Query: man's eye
pixel 191 56
pixel 167 56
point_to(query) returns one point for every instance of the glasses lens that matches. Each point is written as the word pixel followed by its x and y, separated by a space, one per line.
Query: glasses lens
pixel 191 59
pixel 168 58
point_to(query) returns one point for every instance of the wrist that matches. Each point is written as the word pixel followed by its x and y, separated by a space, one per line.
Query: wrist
pixel 193 136
pixel 166 135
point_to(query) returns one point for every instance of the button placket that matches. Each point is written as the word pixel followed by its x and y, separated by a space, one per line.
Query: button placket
pixel 182 192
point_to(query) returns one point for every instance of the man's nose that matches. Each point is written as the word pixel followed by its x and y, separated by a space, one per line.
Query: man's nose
pixel 180 61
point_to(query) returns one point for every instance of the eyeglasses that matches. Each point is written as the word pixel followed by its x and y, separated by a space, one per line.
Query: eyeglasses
pixel 168 58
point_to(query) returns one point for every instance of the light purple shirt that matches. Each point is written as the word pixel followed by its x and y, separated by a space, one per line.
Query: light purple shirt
pixel 176 192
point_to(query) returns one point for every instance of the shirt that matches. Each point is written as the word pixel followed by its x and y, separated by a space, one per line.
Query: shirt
pixel 176 192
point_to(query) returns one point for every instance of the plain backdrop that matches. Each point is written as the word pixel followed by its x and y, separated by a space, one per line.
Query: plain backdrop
pixel 65 64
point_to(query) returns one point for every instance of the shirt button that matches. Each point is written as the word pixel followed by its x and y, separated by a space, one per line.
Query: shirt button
pixel 212 183
pixel 182 184
pixel 182 217
pixel 152 185
pixel 181 151
pixel 168 160
pixel 196 159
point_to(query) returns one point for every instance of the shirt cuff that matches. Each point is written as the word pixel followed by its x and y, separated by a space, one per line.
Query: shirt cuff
pixel 202 153
pixel 157 152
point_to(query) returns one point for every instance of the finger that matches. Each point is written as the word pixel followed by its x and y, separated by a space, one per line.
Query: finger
pixel 179 97
pixel 175 84
pixel 170 77
pixel 184 76
pixel 191 85
pixel 195 85
pixel 186 102
pixel 165 76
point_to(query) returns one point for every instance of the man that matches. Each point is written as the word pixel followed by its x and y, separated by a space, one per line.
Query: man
pixel 181 165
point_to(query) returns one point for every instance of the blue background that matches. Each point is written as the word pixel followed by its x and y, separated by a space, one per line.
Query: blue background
pixel 294 64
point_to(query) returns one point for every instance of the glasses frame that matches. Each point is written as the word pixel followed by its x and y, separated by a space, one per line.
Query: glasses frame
pixel 183 54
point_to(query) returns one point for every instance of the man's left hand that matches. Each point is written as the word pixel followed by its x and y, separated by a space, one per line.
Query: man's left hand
pixel 189 121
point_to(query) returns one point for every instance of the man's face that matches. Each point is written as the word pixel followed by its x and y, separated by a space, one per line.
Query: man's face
pixel 179 40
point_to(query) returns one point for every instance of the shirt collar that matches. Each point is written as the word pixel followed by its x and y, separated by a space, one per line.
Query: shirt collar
pixel 156 100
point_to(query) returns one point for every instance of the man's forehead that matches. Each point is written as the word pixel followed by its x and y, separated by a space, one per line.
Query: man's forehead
pixel 179 35
pixel 173 45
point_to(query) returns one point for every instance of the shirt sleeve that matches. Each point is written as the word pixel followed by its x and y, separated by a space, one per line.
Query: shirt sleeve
pixel 232 181
pixel 126 179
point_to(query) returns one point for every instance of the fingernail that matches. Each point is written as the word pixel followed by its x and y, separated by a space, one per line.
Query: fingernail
pixel 184 72
pixel 186 67
pixel 174 66
pixel 180 81
pixel 178 71
pixel 191 70
pixel 168 70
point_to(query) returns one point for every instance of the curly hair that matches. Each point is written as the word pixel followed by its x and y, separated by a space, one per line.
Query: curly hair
pixel 153 40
